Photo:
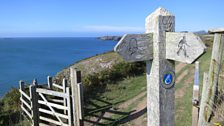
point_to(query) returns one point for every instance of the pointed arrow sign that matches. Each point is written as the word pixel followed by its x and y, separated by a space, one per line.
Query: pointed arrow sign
pixel 183 47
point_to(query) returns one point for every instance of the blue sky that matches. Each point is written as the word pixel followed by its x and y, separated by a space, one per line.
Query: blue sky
pixel 63 18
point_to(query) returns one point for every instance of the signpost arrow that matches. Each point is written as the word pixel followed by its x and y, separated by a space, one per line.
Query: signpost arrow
pixel 182 47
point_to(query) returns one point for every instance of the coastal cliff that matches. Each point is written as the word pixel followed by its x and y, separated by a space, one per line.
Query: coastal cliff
pixel 113 38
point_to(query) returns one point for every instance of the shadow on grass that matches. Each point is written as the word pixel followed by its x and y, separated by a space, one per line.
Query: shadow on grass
pixel 104 115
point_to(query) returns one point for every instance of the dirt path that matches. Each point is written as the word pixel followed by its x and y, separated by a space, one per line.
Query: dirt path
pixel 181 76
pixel 131 101
pixel 180 92
pixel 179 67
pixel 126 104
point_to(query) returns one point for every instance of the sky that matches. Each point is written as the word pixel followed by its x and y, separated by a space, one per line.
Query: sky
pixel 89 18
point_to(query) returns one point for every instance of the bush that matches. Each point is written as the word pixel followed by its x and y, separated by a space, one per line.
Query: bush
pixel 11 102
pixel 10 108
pixel 96 82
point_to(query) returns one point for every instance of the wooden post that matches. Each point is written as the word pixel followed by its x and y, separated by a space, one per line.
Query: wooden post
pixel 64 85
pixel 161 75
pixel 75 77
pixel 195 99
pixel 81 101
pixel 202 121
pixel 213 76
pixel 49 82
pixel 21 87
pixel 34 105
pixel 159 47
pixel 69 107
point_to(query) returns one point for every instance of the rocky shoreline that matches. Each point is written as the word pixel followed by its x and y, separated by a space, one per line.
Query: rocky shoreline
pixel 113 38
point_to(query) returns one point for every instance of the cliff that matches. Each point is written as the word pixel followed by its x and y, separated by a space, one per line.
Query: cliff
pixel 113 38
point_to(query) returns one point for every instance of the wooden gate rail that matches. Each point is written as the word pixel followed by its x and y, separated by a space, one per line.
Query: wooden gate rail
pixel 25 100
pixel 51 106
pixel 54 103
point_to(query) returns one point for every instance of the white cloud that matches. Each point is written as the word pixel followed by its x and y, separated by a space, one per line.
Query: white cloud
pixel 109 28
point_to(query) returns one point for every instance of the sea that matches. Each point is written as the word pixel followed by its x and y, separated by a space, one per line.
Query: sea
pixel 36 58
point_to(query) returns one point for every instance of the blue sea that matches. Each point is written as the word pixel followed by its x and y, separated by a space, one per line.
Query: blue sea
pixel 29 58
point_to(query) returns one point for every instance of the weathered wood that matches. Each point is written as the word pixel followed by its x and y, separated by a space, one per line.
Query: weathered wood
pixel 51 108
pixel 21 85
pixel 64 85
pixel 56 100
pixel 69 107
pixel 81 100
pixel 25 103
pixel 57 86
pixel 75 77
pixel 135 47
pixel 24 94
pixel 214 70
pixel 21 89
pixel 202 121
pixel 35 82
pixel 160 99
pixel 34 104
pixel 27 113
pixel 216 30
pixel 52 113
pixel 49 82
pixel 195 99
pixel 52 104
pixel 53 93
pixel 52 121
pixel 183 47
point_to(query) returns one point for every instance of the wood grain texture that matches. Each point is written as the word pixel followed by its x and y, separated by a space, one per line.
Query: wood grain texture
pixel 135 47
pixel 202 121
pixel 183 47
pixel 160 101
pixel 213 75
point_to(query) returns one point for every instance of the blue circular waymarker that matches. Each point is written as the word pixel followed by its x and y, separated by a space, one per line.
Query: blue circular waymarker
pixel 168 80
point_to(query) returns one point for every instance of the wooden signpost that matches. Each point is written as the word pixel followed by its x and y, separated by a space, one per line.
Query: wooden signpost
pixel 160 47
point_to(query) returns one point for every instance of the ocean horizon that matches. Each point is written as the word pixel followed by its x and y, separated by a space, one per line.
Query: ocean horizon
pixel 28 58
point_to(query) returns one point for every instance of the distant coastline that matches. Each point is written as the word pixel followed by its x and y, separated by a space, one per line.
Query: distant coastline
pixel 113 38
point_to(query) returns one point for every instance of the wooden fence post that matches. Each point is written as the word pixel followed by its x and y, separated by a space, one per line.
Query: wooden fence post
pixel 81 102
pixel 49 82
pixel 69 107
pixel 202 121
pixel 21 86
pixel 195 99
pixel 64 85
pixel 213 76
pixel 34 104
pixel 75 77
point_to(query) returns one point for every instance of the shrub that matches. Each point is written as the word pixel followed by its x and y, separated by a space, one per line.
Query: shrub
pixel 97 82
pixel 10 108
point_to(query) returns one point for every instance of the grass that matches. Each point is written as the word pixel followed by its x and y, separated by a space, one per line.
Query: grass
pixel 122 91
pixel 130 87
pixel 184 105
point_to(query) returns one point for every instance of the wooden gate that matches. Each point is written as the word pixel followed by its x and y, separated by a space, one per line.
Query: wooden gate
pixel 49 106
pixel 52 103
